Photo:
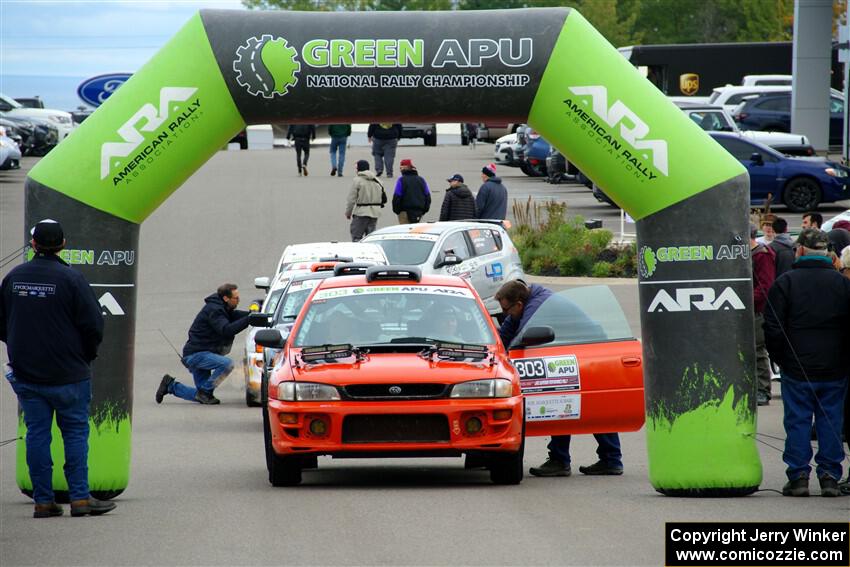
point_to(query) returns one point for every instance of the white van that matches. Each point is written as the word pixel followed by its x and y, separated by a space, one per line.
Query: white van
pixel 766 81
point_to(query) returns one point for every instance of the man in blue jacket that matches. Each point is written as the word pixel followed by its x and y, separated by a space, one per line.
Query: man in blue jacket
pixel 492 198
pixel 519 303
pixel 52 325
pixel 210 338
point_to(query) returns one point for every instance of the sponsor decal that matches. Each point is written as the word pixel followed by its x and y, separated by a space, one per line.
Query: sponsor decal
pixel 494 271
pixel 649 258
pixel 324 294
pixel 24 289
pixel 178 106
pixel 699 298
pixel 689 83
pixel 548 374
pixel 550 408
pixel 628 144
pixel 96 90
pixel 90 257
pixel 269 66
pixel 109 305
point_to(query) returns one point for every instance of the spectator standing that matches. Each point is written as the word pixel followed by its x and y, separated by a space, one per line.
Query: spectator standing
pixel 839 237
pixel 768 233
pixel 764 272
pixel 411 197
pixel 46 301
pixel 210 338
pixel 808 337
pixel 459 203
pixel 783 246
pixel 339 134
pixel 384 139
pixel 519 302
pixel 301 134
pixel 365 201
pixel 471 134
pixel 812 220
pixel 492 198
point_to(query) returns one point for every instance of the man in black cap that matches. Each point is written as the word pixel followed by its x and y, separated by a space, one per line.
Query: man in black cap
pixel 52 325
pixel 365 201
pixel 807 334
pixel 459 203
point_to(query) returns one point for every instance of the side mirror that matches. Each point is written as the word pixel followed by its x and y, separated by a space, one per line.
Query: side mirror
pixel 269 338
pixel 757 159
pixel 448 260
pixel 259 320
pixel 534 336
pixel 262 283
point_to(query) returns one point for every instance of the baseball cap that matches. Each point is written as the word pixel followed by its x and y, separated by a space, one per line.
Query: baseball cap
pixel 813 238
pixel 406 162
pixel 48 233
pixel 456 177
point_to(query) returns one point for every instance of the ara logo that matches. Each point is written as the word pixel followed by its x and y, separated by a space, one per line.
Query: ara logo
pixel 132 134
pixel 702 298
pixel 109 305
pixel 632 128
pixel 266 66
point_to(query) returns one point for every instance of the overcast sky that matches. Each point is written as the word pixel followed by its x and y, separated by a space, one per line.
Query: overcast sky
pixel 81 39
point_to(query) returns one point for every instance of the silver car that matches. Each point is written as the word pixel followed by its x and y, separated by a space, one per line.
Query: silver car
pixel 481 251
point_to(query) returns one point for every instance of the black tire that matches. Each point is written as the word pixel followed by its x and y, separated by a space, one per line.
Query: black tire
pixel 802 194
pixel 431 140
pixel 250 401
pixel 531 171
pixel 508 468
pixel 283 471
pixel 464 140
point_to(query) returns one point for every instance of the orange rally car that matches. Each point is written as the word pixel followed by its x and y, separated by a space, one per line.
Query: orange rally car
pixel 393 364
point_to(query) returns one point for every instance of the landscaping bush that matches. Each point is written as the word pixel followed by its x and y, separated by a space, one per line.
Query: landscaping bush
pixel 549 244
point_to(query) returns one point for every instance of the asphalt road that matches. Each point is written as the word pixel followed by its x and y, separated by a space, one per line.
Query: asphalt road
pixel 198 492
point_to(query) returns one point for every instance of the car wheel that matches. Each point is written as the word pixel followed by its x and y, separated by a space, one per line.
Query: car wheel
pixel 802 194
pixel 530 170
pixel 508 468
pixel 431 140
pixel 250 400
pixel 283 471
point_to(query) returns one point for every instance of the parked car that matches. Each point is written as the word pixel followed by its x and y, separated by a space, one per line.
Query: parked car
pixel 508 151
pixel 534 150
pixel 731 96
pixel 13 131
pixel 479 251
pixel 827 224
pixel 10 153
pixel 62 120
pixel 38 135
pixel 766 80
pixel 716 119
pixel 492 132
pixel 772 112
pixel 30 102
pixel 800 183
pixel 428 132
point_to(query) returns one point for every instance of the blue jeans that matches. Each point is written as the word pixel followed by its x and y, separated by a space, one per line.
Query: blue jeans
pixel 338 145
pixel 823 401
pixel 608 449
pixel 70 403
pixel 208 371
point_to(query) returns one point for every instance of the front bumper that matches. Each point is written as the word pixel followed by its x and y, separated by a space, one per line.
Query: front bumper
pixel 291 431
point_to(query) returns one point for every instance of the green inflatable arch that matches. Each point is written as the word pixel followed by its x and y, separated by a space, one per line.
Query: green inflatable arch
pixel 549 67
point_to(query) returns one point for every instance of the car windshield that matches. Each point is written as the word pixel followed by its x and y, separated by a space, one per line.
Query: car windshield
pixel 406 251
pixel 10 102
pixel 272 301
pixel 294 300
pixel 395 314
pixel 583 315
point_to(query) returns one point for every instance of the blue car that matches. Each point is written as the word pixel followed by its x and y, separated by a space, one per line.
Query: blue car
pixel 772 113
pixel 800 183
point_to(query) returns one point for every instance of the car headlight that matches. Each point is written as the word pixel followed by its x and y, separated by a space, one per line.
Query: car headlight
pixel 835 172
pixel 306 392
pixel 495 388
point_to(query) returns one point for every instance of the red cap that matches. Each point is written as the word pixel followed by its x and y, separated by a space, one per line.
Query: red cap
pixel 406 162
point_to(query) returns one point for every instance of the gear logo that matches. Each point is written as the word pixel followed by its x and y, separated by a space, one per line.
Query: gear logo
pixel 266 66
pixel 647 261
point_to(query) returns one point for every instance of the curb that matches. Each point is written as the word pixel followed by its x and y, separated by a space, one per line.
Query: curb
pixel 542 280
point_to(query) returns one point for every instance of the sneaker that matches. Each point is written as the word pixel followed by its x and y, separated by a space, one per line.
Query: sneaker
pixel 206 398
pixel 796 487
pixel 600 468
pixel 339 173
pixel 762 399
pixel 299 172
pixel 333 171
pixel 49 510
pixel 388 175
pixel 304 169
pixel 90 507
pixel 552 467
pixel 829 486
pixel 164 387
pixel 844 486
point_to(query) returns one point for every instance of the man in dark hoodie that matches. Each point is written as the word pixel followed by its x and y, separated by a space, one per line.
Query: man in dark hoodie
pixel 783 245
pixel 492 198
pixel 519 303
pixel 301 134
pixel 210 338
pixel 459 204
pixel 411 198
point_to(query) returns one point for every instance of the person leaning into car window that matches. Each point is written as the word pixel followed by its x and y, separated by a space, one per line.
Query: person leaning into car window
pixel 47 300
pixel 519 302
pixel 210 338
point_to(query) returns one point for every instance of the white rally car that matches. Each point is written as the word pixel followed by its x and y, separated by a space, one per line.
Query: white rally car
pixel 481 251
pixel 323 251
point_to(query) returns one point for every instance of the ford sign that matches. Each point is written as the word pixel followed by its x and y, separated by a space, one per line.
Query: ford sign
pixel 96 90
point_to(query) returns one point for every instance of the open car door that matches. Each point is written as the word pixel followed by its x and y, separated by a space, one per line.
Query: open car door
pixel 589 377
